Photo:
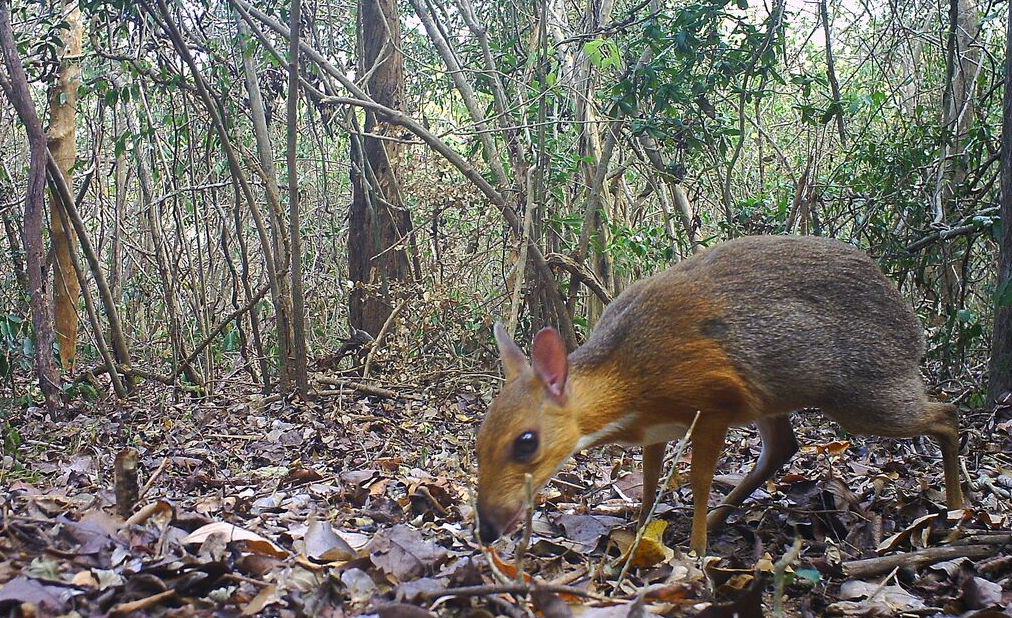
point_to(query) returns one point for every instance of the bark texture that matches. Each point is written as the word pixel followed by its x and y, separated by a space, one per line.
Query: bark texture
pixel 379 224
pixel 1001 350
pixel 63 144
pixel 17 92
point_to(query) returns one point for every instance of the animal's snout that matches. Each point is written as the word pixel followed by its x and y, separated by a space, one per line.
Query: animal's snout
pixel 487 531
pixel 493 522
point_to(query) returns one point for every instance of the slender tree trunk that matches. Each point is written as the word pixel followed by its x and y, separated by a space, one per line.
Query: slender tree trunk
pixel 963 64
pixel 834 83
pixel 294 227
pixel 13 236
pixel 231 154
pixel 962 70
pixel 89 304
pixel 116 266
pixel 279 234
pixel 42 318
pixel 58 183
pixel 63 144
pixel 396 117
pixel 1001 350
pixel 154 219
pixel 379 224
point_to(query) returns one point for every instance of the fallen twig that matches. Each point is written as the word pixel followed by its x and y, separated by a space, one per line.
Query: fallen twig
pixel 125 609
pixel 525 540
pixel 916 559
pixel 779 575
pixel 378 341
pixel 145 513
pixel 368 389
pixel 151 481
pixel 521 589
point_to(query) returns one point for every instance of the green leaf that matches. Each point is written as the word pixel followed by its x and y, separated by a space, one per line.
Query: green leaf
pixel 594 52
pixel 603 54
pixel 832 110
pixel 809 576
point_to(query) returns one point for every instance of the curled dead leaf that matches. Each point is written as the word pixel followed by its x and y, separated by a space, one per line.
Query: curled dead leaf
pixel 251 541
pixel 322 544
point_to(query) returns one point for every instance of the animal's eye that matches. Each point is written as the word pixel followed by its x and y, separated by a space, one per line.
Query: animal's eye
pixel 525 446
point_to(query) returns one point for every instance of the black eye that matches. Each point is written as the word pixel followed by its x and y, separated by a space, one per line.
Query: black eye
pixel 525 446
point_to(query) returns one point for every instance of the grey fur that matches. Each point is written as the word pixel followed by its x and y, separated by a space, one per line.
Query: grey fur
pixel 811 322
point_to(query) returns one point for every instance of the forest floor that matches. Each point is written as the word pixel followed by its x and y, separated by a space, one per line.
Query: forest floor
pixel 356 505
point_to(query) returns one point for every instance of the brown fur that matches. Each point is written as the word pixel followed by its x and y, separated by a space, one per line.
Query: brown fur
pixel 744 332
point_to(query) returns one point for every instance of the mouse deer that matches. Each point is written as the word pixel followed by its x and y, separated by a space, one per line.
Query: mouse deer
pixel 745 332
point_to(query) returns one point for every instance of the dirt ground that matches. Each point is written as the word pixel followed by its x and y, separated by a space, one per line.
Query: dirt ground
pixel 358 505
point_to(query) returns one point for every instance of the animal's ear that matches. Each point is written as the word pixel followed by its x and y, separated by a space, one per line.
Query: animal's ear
pixel 551 361
pixel 513 360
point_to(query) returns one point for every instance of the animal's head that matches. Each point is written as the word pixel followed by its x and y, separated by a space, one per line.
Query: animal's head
pixel 529 429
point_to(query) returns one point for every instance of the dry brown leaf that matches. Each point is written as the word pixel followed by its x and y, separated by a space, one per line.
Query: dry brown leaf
pixel 84 579
pixel 509 569
pixel 324 545
pixel 267 596
pixel 232 533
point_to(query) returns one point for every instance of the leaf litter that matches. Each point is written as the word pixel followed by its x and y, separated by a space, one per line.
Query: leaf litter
pixel 348 506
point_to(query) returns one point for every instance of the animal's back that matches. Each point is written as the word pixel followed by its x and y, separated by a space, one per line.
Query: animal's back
pixel 807 321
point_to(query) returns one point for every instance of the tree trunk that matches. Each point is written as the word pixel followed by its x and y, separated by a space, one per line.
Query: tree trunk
pixel 231 154
pixel 42 318
pixel 379 224
pixel 115 261
pixel 963 64
pixel 834 84
pixel 1001 350
pixel 63 144
pixel 12 231
pixel 281 247
pixel 298 348
pixel 152 211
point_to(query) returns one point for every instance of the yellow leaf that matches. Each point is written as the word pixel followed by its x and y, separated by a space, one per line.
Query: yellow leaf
pixel 651 549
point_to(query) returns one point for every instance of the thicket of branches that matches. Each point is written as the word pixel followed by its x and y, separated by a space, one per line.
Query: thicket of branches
pixel 460 161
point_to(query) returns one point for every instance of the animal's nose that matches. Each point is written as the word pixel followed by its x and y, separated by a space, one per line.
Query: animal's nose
pixel 487 531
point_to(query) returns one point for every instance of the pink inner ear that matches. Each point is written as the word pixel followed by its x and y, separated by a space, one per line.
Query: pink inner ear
pixel 551 361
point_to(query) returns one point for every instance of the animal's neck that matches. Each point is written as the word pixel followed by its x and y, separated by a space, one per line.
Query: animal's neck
pixel 602 398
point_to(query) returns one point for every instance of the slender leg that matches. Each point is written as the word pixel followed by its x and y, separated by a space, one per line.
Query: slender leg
pixel 707 444
pixel 653 460
pixel 946 433
pixel 779 445
pixel 903 411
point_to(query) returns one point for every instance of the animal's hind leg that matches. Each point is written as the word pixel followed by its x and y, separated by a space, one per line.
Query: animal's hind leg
pixel 945 431
pixel 779 445
pixel 903 411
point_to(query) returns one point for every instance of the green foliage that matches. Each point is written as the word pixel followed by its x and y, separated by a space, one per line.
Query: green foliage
pixel 81 390
pixel 603 54
pixel 16 346
pixel 695 55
